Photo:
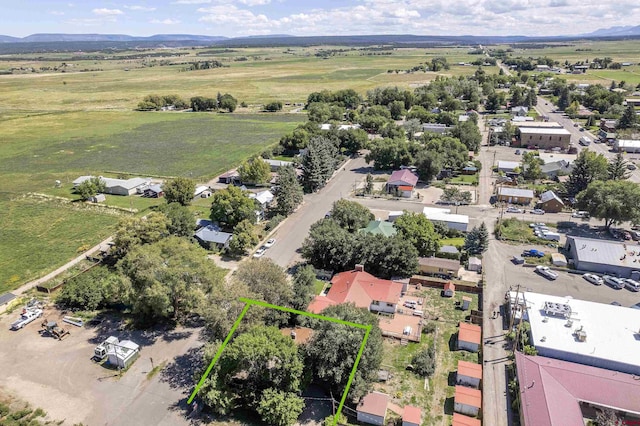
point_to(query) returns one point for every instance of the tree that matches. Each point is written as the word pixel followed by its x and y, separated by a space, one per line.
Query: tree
pixel 231 206
pixel 319 112
pixel 396 108
pixel 332 366
pixel 303 287
pixel 179 190
pixel 454 154
pixel 495 100
pixel 385 257
pixel 135 231
pixel 612 201
pixel 244 237
pixel 273 106
pixel 94 289
pixel 227 102
pixel 259 370
pixel 454 195
pixel 255 171
pixel 368 188
pixel 91 187
pixel 587 168
pixel 269 281
pixel 353 140
pixel 428 164
pixel 169 278
pixel 469 135
pixel 564 99
pixel 531 163
pixel 328 246
pixel 181 219
pixel 424 362
pixel 477 240
pixel 608 417
pixel 617 168
pixel 319 163
pixel 629 118
pixel 417 229
pixel 280 408
pixel 350 215
pixel 288 191
pixel 389 154
pixel 412 126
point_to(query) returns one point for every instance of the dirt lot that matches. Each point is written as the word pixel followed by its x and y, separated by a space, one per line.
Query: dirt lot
pixel 61 378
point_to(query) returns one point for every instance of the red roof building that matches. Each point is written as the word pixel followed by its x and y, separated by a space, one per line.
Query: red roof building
pixel 403 178
pixel 362 289
pixel 467 401
pixel 372 408
pixel 469 336
pixel 462 420
pixel 412 416
pixel 552 391
pixel 449 289
pixel 469 374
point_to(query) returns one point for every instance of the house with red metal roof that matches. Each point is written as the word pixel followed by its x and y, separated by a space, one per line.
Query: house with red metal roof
pixel 469 374
pixel 556 392
pixel 402 183
pixel 372 408
pixel 469 337
pixel 449 289
pixel 362 289
pixel 467 401
pixel 412 416
pixel 462 420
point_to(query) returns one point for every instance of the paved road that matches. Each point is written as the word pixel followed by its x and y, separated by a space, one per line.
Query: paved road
pixel 294 230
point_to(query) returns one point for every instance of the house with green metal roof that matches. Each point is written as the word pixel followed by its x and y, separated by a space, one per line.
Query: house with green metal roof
pixel 380 227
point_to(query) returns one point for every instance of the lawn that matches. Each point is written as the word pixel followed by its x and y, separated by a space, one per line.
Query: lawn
pixel 406 387
pixel 452 242
pixel 465 179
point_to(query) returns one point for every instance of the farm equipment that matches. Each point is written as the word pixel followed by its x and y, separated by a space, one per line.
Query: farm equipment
pixel 28 315
pixel 52 329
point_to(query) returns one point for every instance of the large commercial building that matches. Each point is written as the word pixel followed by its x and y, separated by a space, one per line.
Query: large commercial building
pixel 604 256
pixel 543 138
pixel 589 333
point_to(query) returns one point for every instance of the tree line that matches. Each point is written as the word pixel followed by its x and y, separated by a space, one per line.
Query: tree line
pixel 196 103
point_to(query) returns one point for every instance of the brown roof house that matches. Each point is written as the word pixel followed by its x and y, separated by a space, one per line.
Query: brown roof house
pixel 469 337
pixel 550 202
pixel 515 195
pixel 436 266
pixel 372 408
pixel 402 183
pixel 467 401
pixel 469 374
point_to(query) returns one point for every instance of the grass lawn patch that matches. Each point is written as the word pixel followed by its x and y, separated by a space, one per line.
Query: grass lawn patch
pixel 452 242
pixel 318 286
pixel 465 179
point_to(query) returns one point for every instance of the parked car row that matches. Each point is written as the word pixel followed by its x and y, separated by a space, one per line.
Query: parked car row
pixel 262 250
pixel 622 234
pixel 614 282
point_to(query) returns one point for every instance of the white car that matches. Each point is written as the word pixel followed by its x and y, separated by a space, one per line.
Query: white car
pixel 537 211
pixel 513 210
pixel 580 214
pixel 270 243
pixel 536 225
pixel 546 272
pixel 632 285
pixel 614 282
pixel 260 252
pixel 593 279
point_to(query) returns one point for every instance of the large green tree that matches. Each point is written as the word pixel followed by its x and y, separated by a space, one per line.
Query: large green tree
pixel 588 167
pixel 289 193
pixel 169 278
pixel 629 118
pixel 612 201
pixel 179 190
pixel 351 215
pixel 91 187
pixel 231 206
pixel 385 257
pixel 181 219
pixel 319 163
pixel 329 246
pixel 255 171
pixel 617 168
pixel 333 366
pixel 417 229
pixel 469 134
pixel 531 163
pixel 260 370
pixel 244 238
pixel 134 231
pixel 428 164
pixel 94 289
pixel 303 287
pixel 389 154
pixel 477 240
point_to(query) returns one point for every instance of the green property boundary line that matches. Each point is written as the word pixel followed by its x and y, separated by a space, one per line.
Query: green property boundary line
pixel 248 304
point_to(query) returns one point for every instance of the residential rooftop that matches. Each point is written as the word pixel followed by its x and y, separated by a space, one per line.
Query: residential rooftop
pixel 508 191
pixel 470 333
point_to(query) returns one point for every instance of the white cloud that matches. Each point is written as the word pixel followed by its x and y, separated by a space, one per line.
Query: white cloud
pixel 192 2
pixel 107 12
pixel 167 21
pixel 56 12
pixel 140 8
pixel 255 2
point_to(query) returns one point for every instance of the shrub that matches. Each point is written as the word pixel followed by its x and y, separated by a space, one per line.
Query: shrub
pixel 273 222
pixel 424 362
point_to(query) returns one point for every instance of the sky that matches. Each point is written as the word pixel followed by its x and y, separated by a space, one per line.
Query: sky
pixel 236 18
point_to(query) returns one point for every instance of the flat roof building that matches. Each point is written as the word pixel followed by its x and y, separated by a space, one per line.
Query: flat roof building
pixel 604 256
pixel 543 138
pixel 627 145
pixel 515 195
pixel 459 222
pixel 589 333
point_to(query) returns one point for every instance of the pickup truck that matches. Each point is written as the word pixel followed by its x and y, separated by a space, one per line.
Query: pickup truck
pixel 26 317
pixel 533 253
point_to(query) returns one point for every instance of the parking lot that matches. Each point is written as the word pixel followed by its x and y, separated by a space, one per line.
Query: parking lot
pixel 61 378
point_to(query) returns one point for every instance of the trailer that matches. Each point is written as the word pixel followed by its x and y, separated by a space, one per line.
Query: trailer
pixel 73 321
pixel 28 315
pixel 100 351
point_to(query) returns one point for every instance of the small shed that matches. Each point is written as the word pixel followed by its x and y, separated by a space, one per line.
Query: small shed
pixel 6 298
pixel 395 214
pixel 372 408
pixel 411 416
pixel 98 198
pixel 469 374
pixel 467 401
pixel 558 259
pixel 469 337
pixel 452 250
pixel 475 264
pixel 466 302
pixel 449 289
pixel 154 191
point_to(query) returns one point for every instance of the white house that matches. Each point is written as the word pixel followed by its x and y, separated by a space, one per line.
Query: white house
pixel 372 408
pixel 459 222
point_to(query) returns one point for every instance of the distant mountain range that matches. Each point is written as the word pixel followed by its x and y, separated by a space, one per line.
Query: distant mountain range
pixel 44 38
pixel 620 31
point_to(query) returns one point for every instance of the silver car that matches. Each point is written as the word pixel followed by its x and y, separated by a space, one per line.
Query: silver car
pixel 632 285
pixel 614 282
pixel 593 279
